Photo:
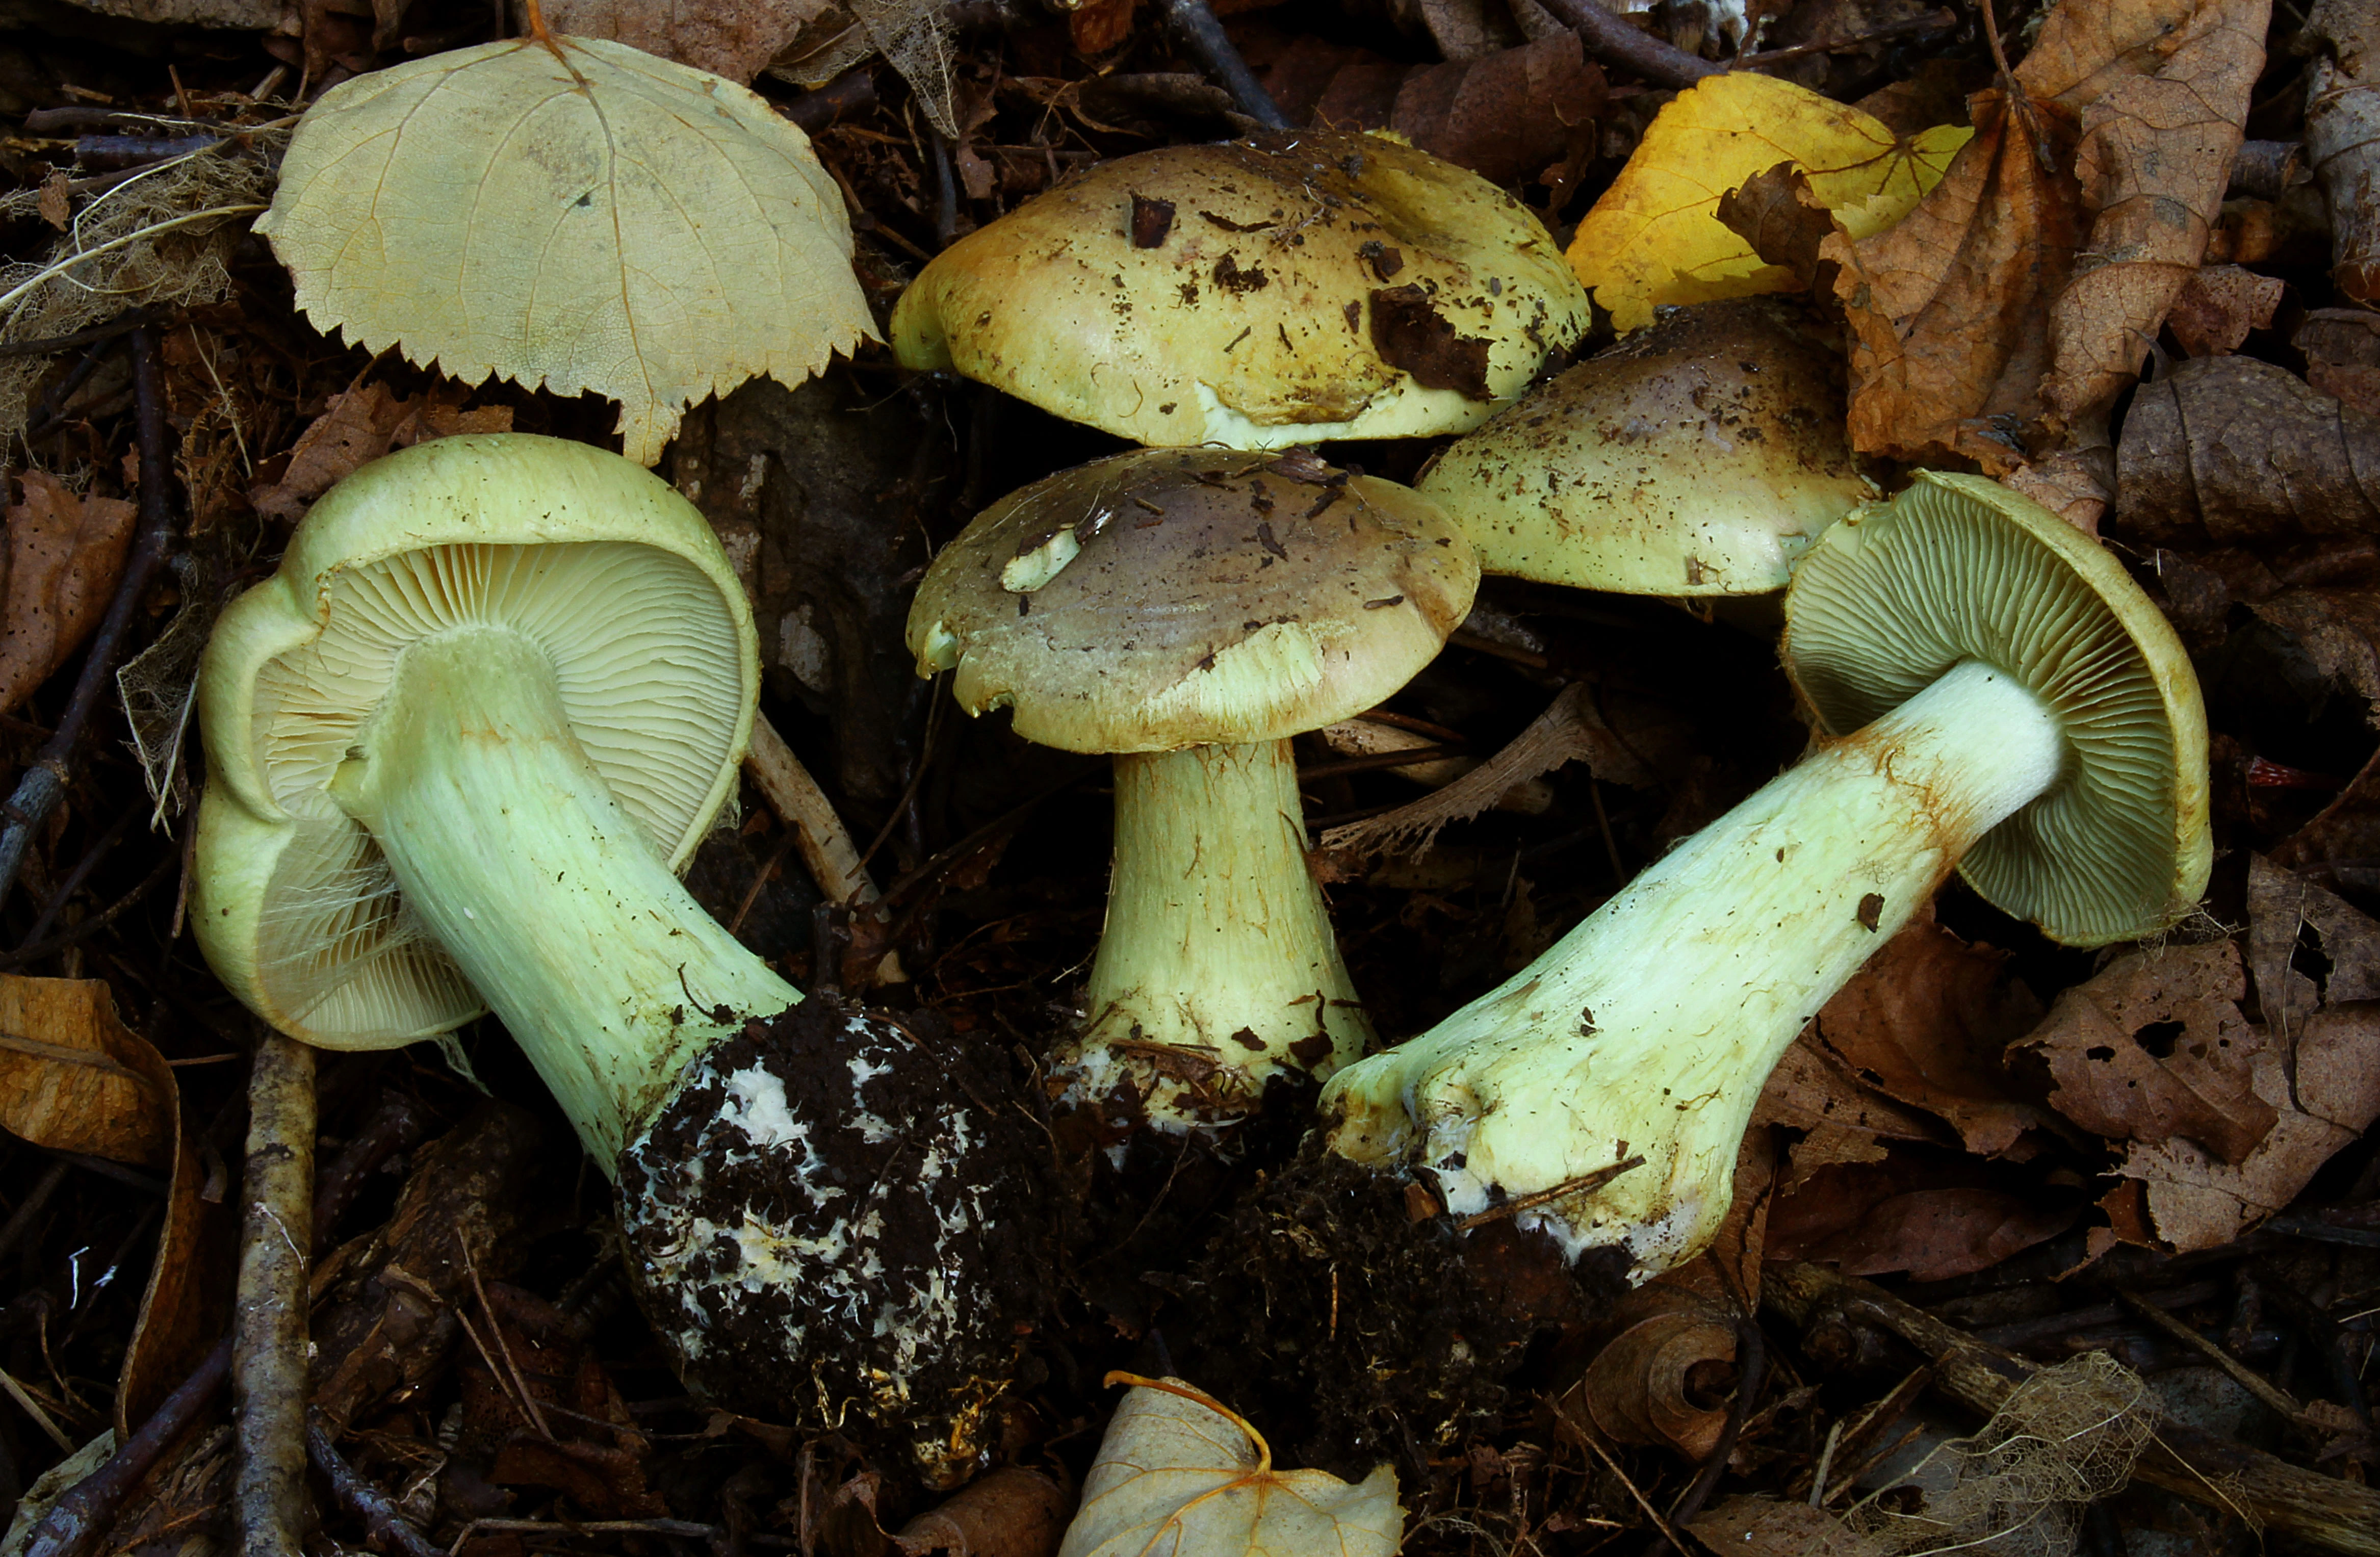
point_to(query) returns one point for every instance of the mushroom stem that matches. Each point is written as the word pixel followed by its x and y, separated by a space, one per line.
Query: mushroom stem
pixel 1651 1027
pixel 514 856
pixel 1217 944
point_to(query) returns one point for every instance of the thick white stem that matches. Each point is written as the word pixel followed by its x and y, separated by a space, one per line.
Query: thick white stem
pixel 1218 966
pixel 512 855
pixel 1651 1027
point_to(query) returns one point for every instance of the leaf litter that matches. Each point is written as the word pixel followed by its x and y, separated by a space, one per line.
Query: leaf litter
pixel 2008 1132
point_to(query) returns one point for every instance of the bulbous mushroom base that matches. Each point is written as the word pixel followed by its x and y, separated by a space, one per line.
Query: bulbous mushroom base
pixel 1346 1308
pixel 835 1220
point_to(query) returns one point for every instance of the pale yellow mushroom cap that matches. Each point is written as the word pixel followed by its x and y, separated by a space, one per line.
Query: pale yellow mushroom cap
pixel 595 559
pixel 1169 598
pixel 1699 457
pixel 1301 287
pixel 1958 568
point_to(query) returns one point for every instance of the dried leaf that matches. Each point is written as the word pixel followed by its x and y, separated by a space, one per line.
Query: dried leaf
pixel 1655 237
pixel 1925 1022
pixel 1506 116
pixel 1643 1386
pixel 2342 353
pixel 735 39
pixel 74 1078
pixel 2239 452
pixel 1810 1091
pixel 1013 1512
pixel 1933 1219
pixel 2219 305
pixel 2307 947
pixel 2155 1047
pixel 1746 1526
pixel 2162 88
pixel 2342 133
pixel 2016 299
pixel 599 221
pixel 1946 309
pixel 1179 1473
pixel 358 427
pixel 1782 217
pixel 2197 1202
pixel 66 550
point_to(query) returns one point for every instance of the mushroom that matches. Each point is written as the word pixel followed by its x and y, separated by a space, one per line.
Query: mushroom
pixel 1699 457
pixel 1996 694
pixel 1286 289
pixel 456 747
pixel 1189 611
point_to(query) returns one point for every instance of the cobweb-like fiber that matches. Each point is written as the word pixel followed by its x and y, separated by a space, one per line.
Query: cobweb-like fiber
pixel 2068 1435
pixel 82 281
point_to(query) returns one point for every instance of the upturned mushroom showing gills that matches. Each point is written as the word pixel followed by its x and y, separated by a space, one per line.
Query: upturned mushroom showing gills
pixel 1699 457
pixel 1994 694
pixel 456 746
pixel 1286 289
pixel 1189 611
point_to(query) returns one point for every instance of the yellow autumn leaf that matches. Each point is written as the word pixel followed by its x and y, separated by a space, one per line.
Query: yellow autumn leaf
pixel 597 219
pixel 1655 237
pixel 1181 1474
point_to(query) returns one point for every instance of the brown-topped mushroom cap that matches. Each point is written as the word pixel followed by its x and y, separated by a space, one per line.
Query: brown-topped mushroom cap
pixel 1168 598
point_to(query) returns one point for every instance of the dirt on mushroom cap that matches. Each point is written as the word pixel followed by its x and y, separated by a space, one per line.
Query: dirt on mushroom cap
pixel 1259 294
pixel 1170 598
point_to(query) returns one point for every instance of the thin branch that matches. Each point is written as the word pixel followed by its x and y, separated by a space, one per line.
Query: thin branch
pixel 1609 38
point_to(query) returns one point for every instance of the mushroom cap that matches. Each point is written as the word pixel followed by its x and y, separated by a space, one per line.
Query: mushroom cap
pixel 1958 568
pixel 1700 456
pixel 1281 290
pixel 590 555
pixel 1168 598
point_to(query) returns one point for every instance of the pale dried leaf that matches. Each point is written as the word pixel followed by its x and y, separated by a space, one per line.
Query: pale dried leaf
pixel 617 223
pixel 65 550
pixel 1179 1473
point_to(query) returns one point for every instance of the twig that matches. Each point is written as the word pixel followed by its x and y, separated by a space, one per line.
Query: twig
pixel 32 1408
pixel 269 1325
pixel 1917 27
pixel 1608 37
pixel 359 1497
pixel 88 1507
pixel 166 865
pixel 519 1385
pixel 44 783
pixel 1583 1184
pixel 1195 27
pixel 121 325
pixel 686 1529
pixel 820 837
pixel 2247 1378
pixel 2199 1465
pixel 1579 1430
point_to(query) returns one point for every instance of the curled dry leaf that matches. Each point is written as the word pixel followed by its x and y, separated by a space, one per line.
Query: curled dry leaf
pixel 1652 1384
pixel 74 1078
pixel 2342 134
pixel 65 550
pixel 2342 353
pixel 1013 1512
pixel 585 217
pixel 2239 452
pixel 1746 1526
pixel 2219 305
pixel 1977 328
pixel 735 39
pixel 1655 237
pixel 1180 1473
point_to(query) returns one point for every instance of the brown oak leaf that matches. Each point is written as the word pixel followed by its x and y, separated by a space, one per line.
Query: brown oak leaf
pixel 66 550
